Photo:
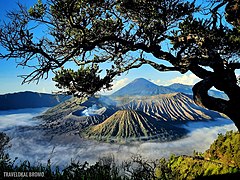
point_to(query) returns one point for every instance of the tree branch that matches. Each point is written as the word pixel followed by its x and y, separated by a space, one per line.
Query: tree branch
pixel 199 71
pixel 234 66
pixel 201 97
pixel 159 67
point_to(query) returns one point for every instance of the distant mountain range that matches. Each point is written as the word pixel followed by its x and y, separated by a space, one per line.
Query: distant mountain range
pixel 138 87
pixel 143 87
pixel 29 99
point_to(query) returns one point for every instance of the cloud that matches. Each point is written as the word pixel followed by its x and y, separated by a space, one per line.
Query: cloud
pixel 158 81
pixel 43 90
pixel 117 85
pixel 21 117
pixel 33 145
pixel 189 79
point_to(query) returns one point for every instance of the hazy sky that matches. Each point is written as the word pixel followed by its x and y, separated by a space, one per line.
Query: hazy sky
pixel 10 82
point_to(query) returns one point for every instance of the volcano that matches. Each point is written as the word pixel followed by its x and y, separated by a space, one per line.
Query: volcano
pixel 74 115
pixel 141 87
pixel 130 125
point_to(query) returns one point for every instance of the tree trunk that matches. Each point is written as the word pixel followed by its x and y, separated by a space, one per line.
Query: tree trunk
pixel 230 107
pixel 234 112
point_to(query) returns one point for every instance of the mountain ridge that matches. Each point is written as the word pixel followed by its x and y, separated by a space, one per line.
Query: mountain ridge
pixel 29 99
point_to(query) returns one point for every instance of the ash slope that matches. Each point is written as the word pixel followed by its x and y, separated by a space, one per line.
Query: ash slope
pixel 175 107
pixel 129 125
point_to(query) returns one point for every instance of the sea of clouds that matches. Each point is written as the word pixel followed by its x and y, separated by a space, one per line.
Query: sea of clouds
pixel 31 144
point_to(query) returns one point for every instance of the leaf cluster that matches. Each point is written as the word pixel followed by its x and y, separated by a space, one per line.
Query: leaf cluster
pixel 81 83
pixel 226 148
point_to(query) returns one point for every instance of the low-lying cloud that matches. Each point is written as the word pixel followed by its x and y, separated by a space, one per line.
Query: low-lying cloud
pixel 20 117
pixel 31 144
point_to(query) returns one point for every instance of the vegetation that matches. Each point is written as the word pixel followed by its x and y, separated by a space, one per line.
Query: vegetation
pixel 199 166
pixel 221 158
pixel 4 139
pixel 225 149
pixel 124 34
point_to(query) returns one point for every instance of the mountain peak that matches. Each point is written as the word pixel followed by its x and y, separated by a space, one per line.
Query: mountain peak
pixel 141 80
pixel 141 87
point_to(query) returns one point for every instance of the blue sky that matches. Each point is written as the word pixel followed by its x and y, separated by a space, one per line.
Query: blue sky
pixel 11 82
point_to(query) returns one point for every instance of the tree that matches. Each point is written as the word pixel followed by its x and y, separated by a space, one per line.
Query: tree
pixel 3 143
pixel 202 39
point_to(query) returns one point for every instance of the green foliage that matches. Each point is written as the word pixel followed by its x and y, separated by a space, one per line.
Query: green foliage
pixel 226 149
pixel 190 168
pixel 38 10
pixel 163 170
pixel 222 158
pixel 4 139
pixel 83 82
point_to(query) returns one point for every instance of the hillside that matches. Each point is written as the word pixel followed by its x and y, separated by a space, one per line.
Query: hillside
pixel 225 149
pixel 130 125
pixel 29 100
pixel 72 116
pixel 220 161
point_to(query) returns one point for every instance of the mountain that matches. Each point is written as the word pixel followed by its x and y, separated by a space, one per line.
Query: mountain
pixel 29 99
pixel 137 111
pixel 177 87
pixel 73 116
pixel 130 125
pixel 141 87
